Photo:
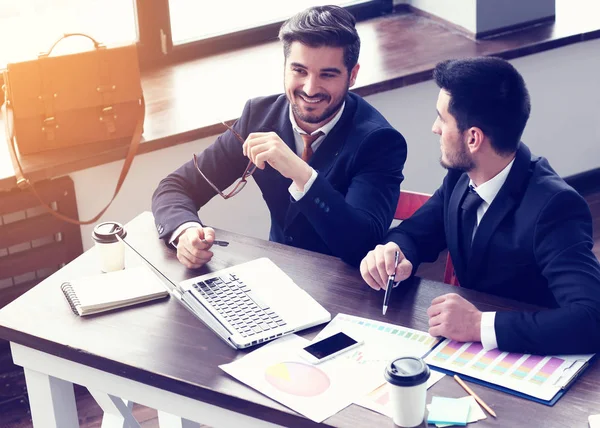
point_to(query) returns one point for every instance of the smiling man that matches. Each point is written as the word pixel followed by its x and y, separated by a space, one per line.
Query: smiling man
pixel 513 227
pixel 328 164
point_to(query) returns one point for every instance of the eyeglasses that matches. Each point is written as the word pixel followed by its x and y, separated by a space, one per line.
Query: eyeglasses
pixel 250 168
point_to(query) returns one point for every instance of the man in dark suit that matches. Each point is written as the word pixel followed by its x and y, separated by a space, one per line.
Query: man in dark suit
pixel 328 164
pixel 513 227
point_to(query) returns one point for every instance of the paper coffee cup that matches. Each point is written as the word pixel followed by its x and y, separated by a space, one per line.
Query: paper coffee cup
pixel 110 250
pixel 407 378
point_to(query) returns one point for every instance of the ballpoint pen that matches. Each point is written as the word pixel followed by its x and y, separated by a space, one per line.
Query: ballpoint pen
pixel 390 284
pixel 219 243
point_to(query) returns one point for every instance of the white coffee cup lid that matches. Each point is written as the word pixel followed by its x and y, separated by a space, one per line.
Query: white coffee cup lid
pixel 107 232
pixel 407 371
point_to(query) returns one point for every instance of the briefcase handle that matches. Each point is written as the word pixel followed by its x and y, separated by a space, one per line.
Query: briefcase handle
pixel 24 183
pixel 97 44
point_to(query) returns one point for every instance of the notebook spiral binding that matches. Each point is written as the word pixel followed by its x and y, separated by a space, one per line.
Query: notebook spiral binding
pixel 71 297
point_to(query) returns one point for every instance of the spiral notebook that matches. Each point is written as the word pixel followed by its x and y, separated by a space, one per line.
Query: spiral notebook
pixel 108 291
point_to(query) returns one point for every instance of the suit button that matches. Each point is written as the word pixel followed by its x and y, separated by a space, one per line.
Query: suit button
pixel 322 205
pixel 317 200
pixel 326 209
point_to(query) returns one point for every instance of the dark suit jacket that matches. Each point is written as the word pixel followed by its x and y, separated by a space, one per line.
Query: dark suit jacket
pixel 534 244
pixel 347 210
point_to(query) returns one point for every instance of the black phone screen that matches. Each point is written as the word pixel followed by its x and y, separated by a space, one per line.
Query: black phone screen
pixel 330 345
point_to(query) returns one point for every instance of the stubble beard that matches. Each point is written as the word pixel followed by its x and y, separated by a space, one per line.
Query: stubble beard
pixel 459 160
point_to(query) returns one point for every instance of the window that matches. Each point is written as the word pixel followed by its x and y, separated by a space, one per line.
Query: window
pixel 193 20
pixel 175 30
pixel 28 27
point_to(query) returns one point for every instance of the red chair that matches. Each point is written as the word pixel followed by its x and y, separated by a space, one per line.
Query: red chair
pixel 408 204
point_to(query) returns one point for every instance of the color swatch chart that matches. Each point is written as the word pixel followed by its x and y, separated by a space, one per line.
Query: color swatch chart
pixel 383 341
pixel 535 375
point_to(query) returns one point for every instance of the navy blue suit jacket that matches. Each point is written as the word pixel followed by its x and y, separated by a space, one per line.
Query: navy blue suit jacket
pixel 346 211
pixel 534 244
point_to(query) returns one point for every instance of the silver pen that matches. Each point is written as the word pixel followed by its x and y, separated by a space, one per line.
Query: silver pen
pixel 390 284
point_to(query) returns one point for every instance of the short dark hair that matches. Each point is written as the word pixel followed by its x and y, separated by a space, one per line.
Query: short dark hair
pixel 323 26
pixel 488 93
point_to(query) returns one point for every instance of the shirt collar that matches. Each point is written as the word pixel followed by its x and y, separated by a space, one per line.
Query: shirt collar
pixel 488 190
pixel 325 129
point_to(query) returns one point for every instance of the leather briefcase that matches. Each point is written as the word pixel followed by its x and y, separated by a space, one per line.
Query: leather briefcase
pixel 67 100
pixel 63 101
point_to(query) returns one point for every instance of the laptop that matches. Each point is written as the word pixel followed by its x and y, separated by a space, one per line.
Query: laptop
pixel 246 304
pixel 251 303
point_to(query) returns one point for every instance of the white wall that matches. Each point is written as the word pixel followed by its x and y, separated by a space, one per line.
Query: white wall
pixel 564 127
pixel 494 14
pixel 479 16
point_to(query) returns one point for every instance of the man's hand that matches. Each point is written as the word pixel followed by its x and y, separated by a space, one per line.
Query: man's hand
pixel 455 318
pixel 193 246
pixel 267 147
pixel 378 265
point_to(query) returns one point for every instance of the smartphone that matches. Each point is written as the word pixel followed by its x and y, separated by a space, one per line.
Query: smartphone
pixel 327 348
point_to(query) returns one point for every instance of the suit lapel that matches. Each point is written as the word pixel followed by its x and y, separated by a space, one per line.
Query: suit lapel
pixel 505 202
pixel 453 225
pixel 322 160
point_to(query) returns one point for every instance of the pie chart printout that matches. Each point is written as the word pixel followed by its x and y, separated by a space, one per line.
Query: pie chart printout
pixel 297 379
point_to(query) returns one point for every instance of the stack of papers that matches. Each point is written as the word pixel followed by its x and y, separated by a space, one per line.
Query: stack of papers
pixel 319 391
pixel 445 412
pixel 316 391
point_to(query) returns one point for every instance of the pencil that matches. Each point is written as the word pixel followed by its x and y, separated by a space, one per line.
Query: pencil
pixel 475 396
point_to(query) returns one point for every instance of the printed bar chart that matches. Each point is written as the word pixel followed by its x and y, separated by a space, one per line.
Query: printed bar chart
pixel 505 364
pixel 527 366
pixel 447 351
pixel 547 370
pixel 541 377
pixel 468 354
pixel 424 339
pixel 486 359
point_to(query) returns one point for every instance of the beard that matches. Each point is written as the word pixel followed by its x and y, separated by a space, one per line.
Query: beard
pixel 306 115
pixel 460 160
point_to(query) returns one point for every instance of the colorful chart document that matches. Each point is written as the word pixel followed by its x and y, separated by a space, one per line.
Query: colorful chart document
pixel 540 377
pixel 383 342
pixel 316 391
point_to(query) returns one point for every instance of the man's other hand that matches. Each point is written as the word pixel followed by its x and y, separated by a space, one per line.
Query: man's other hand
pixel 378 265
pixel 455 318
pixel 268 147
pixel 193 246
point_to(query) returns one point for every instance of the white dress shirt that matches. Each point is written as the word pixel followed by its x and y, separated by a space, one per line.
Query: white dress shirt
pixel 299 144
pixel 488 191
pixel 325 129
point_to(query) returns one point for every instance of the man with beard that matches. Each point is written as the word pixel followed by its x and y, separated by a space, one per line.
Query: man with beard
pixel 328 164
pixel 512 226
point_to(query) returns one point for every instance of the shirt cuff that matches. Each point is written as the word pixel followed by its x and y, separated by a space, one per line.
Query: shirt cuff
pixel 488 331
pixel 180 230
pixel 297 194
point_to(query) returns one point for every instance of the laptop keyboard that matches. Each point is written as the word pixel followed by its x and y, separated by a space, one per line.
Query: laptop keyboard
pixel 240 307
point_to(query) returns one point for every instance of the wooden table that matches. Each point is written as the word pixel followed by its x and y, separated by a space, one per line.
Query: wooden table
pixel 161 356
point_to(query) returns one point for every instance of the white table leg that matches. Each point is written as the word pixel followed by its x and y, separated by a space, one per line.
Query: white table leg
pixel 167 420
pixel 52 401
pixel 117 412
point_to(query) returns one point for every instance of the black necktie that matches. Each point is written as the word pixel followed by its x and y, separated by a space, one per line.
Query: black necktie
pixel 468 220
